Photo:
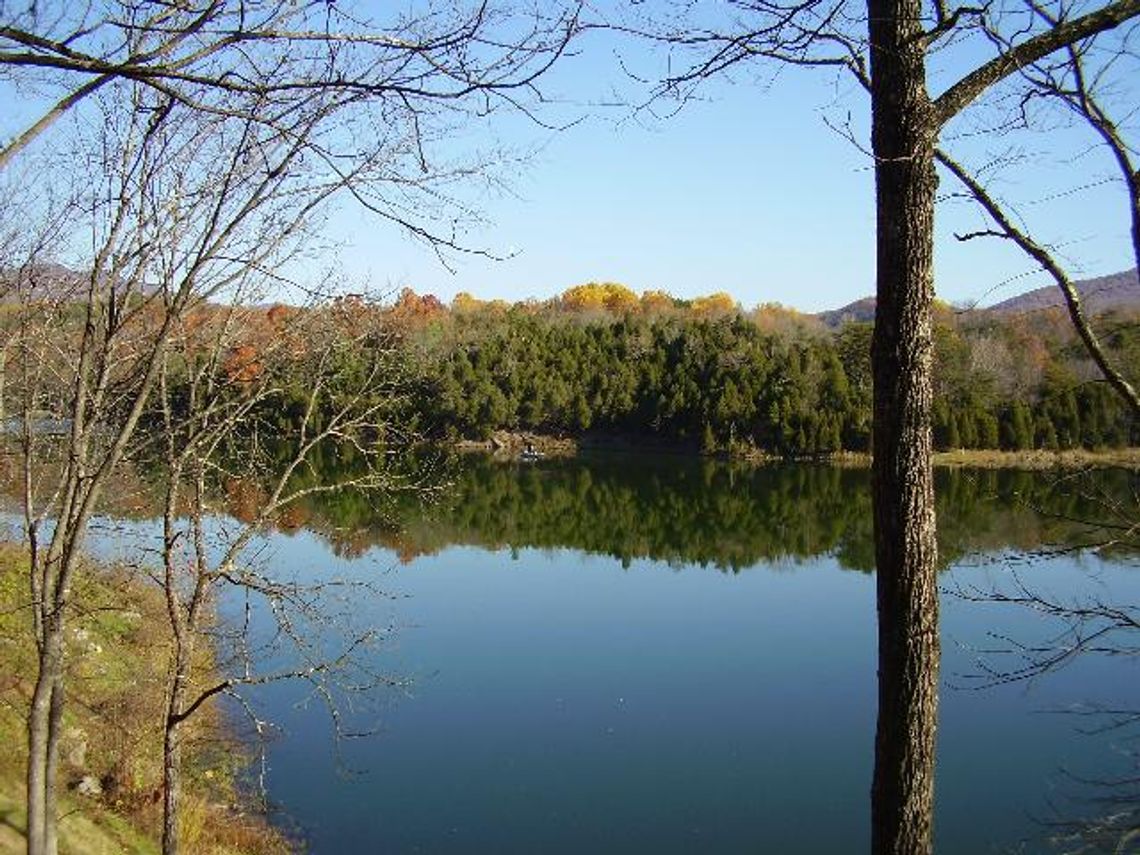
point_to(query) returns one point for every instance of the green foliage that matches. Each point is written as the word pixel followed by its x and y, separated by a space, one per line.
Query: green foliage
pixel 722 380
pixel 712 382
pixel 599 360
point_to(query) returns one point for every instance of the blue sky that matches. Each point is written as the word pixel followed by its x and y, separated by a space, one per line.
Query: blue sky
pixel 748 191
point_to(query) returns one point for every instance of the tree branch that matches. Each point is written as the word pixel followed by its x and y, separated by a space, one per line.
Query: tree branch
pixel 953 100
pixel 1043 257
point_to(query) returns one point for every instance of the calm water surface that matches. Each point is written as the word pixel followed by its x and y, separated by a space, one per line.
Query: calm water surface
pixel 661 656
pixel 666 656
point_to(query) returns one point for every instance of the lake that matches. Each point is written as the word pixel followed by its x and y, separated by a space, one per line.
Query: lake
pixel 636 654
pixel 667 655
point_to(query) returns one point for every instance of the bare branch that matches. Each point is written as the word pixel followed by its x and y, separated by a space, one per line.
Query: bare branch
pixel 1008 230
pixel 1066 33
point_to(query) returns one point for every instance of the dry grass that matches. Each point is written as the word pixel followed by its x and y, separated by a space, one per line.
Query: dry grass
pixel 1125 458
pixel 112 728
pixel 1128 458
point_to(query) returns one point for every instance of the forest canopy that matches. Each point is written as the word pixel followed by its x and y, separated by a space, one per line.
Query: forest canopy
pixel 708 374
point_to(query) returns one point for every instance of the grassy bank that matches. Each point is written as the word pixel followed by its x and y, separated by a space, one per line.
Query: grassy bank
pixel 511 443
pixel 112 728
pixel 1125 458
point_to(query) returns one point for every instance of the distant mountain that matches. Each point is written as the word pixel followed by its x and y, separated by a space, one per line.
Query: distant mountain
pixel 1102 294
pixel 46 281
pixel 858 312
pixel 51 282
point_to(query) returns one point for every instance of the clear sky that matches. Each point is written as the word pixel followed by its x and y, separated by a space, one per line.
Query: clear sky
pixel 749 191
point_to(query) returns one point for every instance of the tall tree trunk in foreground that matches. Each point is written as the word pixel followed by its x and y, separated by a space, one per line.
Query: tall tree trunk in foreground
pixel 906 124
pixel 902 793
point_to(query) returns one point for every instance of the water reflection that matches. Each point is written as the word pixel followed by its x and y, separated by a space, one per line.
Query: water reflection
pixel 676 510
pixel 668 711
pixel 1096 802
pixel 733 517
pixel 710 513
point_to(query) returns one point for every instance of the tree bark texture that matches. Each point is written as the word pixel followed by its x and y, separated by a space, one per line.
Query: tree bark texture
pixel 903 137
pixel 44 720
pixel 172 762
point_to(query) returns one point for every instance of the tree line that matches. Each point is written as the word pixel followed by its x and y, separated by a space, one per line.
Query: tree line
pixel 707 375
pixel 211 134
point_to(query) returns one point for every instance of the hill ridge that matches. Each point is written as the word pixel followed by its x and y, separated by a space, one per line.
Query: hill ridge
pixel 1099 294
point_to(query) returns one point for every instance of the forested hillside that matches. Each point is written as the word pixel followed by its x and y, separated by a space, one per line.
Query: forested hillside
pixel 1102 294
pixel 707 374
pixel 600 361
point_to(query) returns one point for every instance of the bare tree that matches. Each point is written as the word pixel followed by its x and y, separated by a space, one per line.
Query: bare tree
pixel 888 46
pixel 191 209
pixel 1088 83
pixel 208 131
pixel 1086 86
pixel 32 228
pixel 1084 626
pixel 232 57
pixel 214 385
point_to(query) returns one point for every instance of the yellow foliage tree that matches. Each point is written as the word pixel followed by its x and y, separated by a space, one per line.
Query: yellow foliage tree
pixel 600 296
pixel 657 302
pixel 465 302
pixel 719 303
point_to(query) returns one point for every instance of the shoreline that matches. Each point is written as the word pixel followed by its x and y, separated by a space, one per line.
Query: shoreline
pixel 110 787
pixel 1074 458
pixel 510 444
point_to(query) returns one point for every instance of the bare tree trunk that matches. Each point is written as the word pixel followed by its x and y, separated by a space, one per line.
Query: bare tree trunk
pixel 180 667
pixel 182 654
pixel 37 761
pixel 45 718
pixel 3 374
pixel 43 743
pixel 902 796
pixel 51 778
pixel 172 753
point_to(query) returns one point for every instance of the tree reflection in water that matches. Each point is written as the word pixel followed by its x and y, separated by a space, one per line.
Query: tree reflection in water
pixel 733 517
pixel 1090 814
pixel 683 511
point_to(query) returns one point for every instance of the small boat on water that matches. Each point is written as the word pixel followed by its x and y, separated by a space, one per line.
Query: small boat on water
pixel 530 454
